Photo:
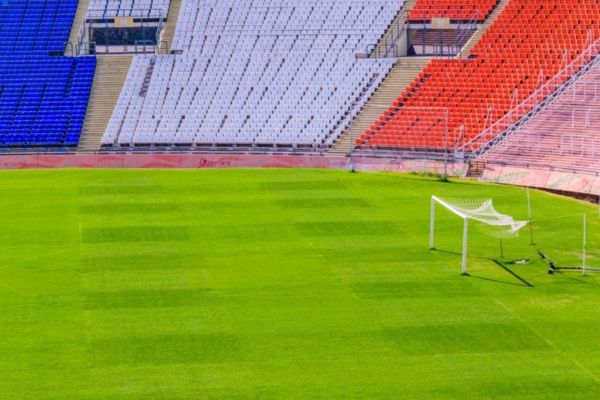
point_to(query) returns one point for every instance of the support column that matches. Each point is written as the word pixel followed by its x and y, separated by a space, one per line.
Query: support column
pixel 465 245
pixel 584 266
pixel 432 225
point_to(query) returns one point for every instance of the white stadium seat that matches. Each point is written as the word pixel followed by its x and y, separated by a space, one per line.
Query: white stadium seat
pixel 255 72
pixel 113 8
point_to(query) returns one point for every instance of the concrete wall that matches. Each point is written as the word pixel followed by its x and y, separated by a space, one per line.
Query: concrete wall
pixel 536 178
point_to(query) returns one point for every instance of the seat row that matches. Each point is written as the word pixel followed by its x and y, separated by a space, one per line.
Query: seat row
pixel 455 10
pixel 107 9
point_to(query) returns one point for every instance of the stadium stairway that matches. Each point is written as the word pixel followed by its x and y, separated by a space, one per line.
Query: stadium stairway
pixel 483 28
pixel 82 8
pixel 111 72
pixel 403 74
pixel 400 20
pixel 169 30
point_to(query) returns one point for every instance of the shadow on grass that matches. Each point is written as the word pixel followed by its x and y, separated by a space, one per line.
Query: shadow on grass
pixel 500 264
pixel 457 253
pixel 504 267
pixel 497 281
pixel 571 278
pixel 565 274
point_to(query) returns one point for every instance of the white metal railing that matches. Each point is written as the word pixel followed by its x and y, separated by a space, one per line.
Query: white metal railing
pixel 388 45
pixel 528 142
pixel 498 131
pixel 465 34
pixel 579 145
pixel 445 50
pixel 587 116
pixel 589 91
pixel 82 37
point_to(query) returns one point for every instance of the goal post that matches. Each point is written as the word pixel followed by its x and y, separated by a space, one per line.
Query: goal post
pixel 574 261
pixel 483 215
pixel 584 255
pixel 465 240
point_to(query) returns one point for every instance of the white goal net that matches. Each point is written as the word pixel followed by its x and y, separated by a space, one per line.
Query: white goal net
pixel 485 217
pixel 482 214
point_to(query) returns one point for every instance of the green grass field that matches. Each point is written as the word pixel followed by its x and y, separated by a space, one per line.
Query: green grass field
pixel 300 284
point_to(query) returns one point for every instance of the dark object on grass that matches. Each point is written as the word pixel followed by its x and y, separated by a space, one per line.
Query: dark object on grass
pixel 551 266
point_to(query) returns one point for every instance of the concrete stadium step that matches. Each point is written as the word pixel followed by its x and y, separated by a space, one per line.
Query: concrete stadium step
pixel 483 28
pixel 169 30
pixel 402 74
pixel 82 8
pixel 400 20
pixel 111 72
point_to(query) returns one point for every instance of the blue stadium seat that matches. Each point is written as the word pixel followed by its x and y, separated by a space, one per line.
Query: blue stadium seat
pixel 43 98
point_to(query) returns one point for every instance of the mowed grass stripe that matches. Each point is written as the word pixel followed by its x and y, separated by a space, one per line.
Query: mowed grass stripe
pixel 415 289
pixel 147 298
pixel 249 346
pixel 508 336
pixel 131 262
pixel 119 234
pixel 166 349
pixel 129 208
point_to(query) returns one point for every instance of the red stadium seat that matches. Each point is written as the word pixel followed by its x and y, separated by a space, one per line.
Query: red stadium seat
pixel 529 43
pixel 455 10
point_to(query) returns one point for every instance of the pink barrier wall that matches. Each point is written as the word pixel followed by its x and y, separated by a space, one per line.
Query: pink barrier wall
pixel 168 161
pixel 397 165
pixel 218 161
pixel 579 183
pixel 563 181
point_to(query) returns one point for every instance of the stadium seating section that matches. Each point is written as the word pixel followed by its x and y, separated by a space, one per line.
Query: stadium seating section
pixel 35 26
pixel 455 10
pixel 565 134
pixel 530 42
pixel 255 72
pixel 43 98
pixel 283 72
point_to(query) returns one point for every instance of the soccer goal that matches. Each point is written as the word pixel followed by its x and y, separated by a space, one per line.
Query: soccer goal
pixel 481 214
